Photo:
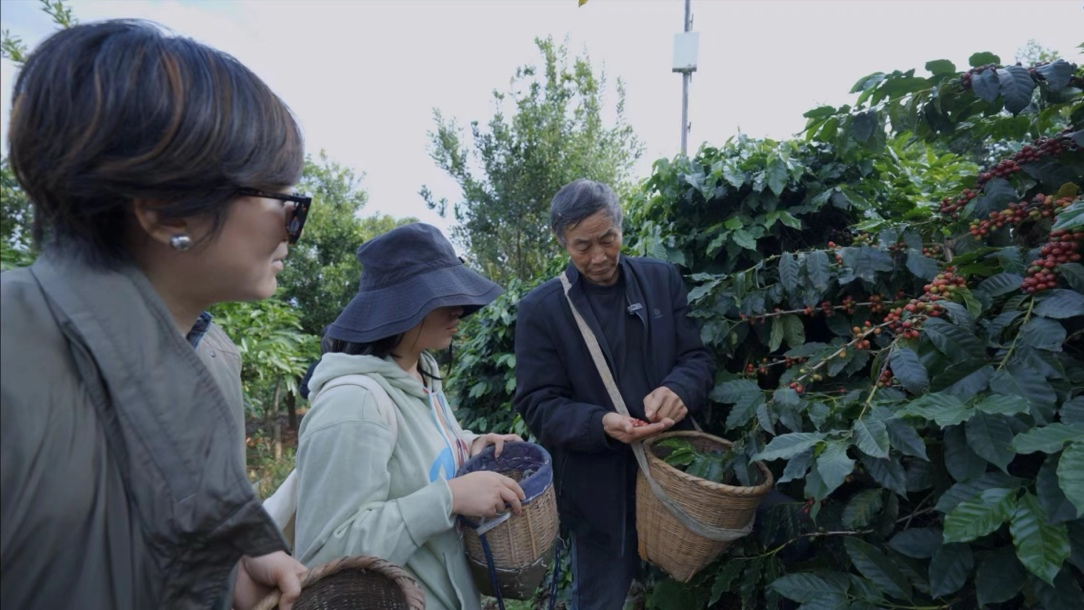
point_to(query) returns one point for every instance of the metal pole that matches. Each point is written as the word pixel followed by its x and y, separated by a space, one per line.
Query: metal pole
pixel 686 76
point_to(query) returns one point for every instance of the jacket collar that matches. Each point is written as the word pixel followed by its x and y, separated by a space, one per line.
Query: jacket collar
pixel 633 293
pixel 634 301
pixel 186 480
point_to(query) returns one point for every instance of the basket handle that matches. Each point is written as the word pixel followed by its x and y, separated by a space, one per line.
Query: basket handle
pixel 415 601
pixel 720 534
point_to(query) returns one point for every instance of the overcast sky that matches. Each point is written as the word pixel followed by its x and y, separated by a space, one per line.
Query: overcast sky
pixel 364 76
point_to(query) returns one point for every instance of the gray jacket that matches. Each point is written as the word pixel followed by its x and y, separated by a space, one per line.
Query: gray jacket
pixel 121 481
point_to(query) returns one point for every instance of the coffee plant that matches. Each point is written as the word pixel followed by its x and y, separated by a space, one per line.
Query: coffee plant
pixel 896 304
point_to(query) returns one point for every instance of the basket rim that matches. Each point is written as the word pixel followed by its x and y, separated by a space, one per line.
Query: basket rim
pixel 534 485
pixel 743 490
pixel 415 596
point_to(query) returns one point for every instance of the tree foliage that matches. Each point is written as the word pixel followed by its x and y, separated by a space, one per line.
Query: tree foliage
pixel 16 218
pixel 321 274
pixel 896 302
pixel 548 129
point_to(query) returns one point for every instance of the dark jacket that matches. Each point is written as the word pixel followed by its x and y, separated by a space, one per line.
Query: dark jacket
pixel 563 400
pixel 121 483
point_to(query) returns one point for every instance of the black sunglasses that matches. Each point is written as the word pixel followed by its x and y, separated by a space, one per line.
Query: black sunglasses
pixel 296 221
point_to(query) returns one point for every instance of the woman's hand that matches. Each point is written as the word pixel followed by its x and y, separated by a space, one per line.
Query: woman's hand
pixel 497 440
pixel 259 576
pixel 485 494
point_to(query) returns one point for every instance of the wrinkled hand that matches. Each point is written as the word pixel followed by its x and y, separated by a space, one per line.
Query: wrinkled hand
pixel 259 576
pixel 497 440
pixel 662 404
pixel 485 494
pixel 626 430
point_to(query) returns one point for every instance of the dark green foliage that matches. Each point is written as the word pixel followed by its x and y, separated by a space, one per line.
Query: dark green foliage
pixel 884 362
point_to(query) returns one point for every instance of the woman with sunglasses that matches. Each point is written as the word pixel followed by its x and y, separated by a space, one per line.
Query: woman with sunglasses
pixel 159 171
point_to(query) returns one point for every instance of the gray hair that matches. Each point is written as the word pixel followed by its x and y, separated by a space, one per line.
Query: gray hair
pixel 579 199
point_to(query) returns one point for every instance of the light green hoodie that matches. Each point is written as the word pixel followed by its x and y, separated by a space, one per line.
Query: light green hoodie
pixel 360 495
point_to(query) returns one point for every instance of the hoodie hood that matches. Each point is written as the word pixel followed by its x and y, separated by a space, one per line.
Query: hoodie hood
pixel 385 370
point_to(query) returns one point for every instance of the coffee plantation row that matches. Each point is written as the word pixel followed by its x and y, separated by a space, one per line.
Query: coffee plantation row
pixel 896 302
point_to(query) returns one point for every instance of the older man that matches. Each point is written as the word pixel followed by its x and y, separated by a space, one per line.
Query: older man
pixel 637 309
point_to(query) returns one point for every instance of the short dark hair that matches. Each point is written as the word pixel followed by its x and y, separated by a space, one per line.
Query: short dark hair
pixel 579 199
pixel 109 112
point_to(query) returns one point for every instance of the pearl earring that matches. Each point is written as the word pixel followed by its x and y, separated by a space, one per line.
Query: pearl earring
pixel 180 243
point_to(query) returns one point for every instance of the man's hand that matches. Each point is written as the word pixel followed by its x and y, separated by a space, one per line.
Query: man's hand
pixel 258 576
pixel 627 430
pixel 663 404
pixel 497 440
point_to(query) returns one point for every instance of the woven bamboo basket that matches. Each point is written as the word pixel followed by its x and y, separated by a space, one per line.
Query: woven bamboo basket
pixel 522 546
pixel 352 583
pixel 664 541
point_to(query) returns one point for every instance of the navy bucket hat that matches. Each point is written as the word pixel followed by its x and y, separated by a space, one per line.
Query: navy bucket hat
pixel 407 273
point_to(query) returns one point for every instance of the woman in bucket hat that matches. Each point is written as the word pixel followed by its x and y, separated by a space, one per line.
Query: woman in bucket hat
pixel 375 475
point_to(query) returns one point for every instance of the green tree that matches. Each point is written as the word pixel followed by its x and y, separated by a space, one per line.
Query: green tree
pixel 12 46
pixel 16 212
pixel 275 352
pixel 1032 53
pixel 548 129
pixel 321 273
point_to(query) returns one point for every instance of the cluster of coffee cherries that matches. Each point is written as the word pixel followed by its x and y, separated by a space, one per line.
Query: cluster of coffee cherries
pixel 764 364
pixel 932 252
pixel 832 246
pixel 1062 248
pixel 861 335
pixel 908 329
pixel 1039 148
pixel 906 321
pixel 863 239
pixel 965 80
pixel 828 309
pixel 1029 153
pixel 886 380
pixel 945 284
pixel 1041 206
pixel 951 207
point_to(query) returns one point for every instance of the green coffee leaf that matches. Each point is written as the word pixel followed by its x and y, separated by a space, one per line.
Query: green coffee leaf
pixel 950 568
pixel 877 567
pixel 1071 475
pixel 862 507
pixel 1041 547
pixel 972 519
pixel 871 437
pixel 1048 439
pixel 786 446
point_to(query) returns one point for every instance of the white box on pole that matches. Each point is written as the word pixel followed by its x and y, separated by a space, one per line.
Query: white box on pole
pixel 686 46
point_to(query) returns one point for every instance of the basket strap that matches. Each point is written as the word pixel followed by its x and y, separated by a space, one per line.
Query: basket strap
pixel 492 569
pixel 701 529
pixel 556 578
